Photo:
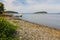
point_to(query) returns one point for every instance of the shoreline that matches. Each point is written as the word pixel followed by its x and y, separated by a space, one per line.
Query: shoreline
pixel 38 24
pixel 32 31
pixel 41 25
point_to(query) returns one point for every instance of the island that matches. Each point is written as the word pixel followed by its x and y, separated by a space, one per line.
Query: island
pixel 11 12
pixel 41 12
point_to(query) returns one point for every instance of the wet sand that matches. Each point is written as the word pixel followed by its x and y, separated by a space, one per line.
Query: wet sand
pixel 32 31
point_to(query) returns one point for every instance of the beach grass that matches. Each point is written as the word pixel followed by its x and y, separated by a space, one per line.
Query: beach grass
pixel 7 30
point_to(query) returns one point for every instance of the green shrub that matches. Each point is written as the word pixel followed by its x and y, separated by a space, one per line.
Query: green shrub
pixel 7 30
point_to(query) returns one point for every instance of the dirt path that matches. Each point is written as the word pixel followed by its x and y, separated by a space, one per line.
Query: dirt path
pixel 32 31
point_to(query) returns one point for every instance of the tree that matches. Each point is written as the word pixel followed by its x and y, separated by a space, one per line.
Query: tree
pixel 1 8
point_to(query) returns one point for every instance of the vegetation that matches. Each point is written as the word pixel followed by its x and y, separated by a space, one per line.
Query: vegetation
pixel 41 12
pixel 7 30
pixel 10 12
pixel 1 8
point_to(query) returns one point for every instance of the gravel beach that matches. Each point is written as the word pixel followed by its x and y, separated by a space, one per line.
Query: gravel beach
pixel 31 31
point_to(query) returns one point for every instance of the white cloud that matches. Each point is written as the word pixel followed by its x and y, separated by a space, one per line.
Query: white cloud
pixel 10 6
pixel 43 7
pixel 33 5
pixel 9 1
pixel 48 5
pixel 39 1
pixel 30 1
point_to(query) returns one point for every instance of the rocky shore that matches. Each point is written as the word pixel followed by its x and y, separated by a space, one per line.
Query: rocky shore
pixel 31 31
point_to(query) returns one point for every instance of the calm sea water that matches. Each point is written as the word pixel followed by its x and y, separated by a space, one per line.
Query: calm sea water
pixel 52 20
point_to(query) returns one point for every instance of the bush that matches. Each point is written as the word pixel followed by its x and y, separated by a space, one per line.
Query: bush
pixel 7 30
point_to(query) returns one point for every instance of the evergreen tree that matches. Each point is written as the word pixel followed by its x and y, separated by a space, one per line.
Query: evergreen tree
pixel 1 8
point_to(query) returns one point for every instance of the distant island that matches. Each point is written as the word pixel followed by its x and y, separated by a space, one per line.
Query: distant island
pixel 41 12
pixel 11 12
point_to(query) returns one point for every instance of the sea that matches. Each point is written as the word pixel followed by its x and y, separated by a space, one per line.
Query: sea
pixel 49 19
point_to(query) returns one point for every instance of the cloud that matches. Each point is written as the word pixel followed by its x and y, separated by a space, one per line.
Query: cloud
pixel 47 5
pixel 29 6
pixel 9 5
pixel 43 7
pixel 9 1
pixel 39 1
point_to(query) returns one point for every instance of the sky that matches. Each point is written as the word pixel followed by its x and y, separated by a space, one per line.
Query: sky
pixel 30 6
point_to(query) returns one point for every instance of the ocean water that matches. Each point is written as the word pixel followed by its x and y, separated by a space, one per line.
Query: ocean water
pixel 52 19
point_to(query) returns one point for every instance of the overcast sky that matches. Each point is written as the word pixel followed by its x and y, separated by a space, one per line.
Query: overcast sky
pixel 29 6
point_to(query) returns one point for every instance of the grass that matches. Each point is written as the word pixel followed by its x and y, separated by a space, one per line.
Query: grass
pixel 7 30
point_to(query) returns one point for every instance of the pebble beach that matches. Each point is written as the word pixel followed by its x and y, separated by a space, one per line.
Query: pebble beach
pixel 32 31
